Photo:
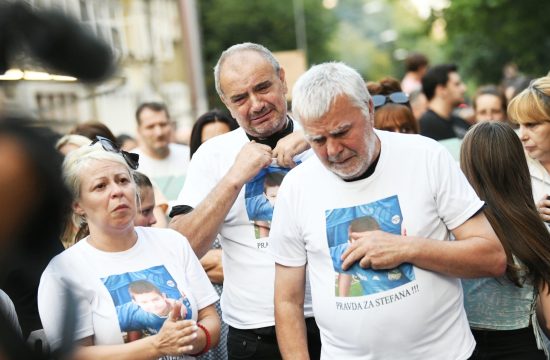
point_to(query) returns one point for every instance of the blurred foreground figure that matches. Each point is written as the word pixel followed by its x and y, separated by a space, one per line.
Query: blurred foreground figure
pixel 33 206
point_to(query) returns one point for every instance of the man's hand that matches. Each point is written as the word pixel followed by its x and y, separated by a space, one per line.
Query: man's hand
pixel 543 207
pixel 288 147
pixel 252 158
pixel 376 250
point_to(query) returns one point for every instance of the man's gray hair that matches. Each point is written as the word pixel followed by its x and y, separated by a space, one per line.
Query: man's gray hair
pixel 247 46
pixel 317 89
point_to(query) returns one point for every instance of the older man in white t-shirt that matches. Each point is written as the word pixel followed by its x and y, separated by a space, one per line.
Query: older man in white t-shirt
pixel 387 289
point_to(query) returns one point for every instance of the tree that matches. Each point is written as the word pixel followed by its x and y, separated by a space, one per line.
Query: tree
pixel 483 35
pixel 270 23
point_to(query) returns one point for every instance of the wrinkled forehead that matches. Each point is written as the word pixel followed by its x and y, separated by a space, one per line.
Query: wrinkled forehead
pixel 243 70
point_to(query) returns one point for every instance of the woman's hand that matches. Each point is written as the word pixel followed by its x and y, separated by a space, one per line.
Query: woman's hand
pixel 176 336
pixel 543 207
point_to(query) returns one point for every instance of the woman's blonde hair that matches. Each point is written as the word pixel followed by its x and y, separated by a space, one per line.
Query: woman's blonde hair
pixel 73 166
pixel 80 159
pixel 532 104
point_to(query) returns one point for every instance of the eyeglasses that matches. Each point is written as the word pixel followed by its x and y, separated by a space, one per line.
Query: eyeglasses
pixel 396 98
pixel 131 159
pixel 541 94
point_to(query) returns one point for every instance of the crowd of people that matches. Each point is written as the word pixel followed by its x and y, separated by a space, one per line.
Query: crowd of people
pixel 375 220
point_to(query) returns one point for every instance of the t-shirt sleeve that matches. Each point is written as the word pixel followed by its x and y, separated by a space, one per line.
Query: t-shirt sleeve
pixel 285 237
pixel 201 287
pixel 55 303
pixel 455 198
pixel 201 178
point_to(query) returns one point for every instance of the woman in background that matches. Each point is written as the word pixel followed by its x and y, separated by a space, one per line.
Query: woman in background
pixel 531 110
pixel 392 111
pixel 207 126
pixel 489 104
pixel 500 310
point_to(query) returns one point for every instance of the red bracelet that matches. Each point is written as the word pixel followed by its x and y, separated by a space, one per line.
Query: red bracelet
pixel 208 340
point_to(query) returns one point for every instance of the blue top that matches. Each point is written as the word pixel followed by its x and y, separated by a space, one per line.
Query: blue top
pixel 497 303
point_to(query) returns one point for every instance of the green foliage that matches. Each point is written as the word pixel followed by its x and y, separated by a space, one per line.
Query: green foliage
pixel 270 23
pixel 359 41
pixel 483 35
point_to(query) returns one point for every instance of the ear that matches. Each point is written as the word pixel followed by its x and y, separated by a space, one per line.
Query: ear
pixel 440 91
pixel 283 80
pixel 77 209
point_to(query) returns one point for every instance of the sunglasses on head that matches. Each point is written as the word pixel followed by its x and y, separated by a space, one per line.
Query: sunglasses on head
pixel 396 98
pixel 131 159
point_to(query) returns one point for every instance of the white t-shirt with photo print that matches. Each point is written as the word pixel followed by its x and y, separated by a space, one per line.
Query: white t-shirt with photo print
pixel 249 267
pixel 99 281
pixel 416 189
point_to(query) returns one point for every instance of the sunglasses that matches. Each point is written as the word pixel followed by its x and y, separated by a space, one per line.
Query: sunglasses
pixel 131 159
pixel 396 98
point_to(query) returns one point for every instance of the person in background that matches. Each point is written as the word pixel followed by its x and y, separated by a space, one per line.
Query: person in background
pixel 489 104
pixel 500 309
pixel 99 269
pixel 164 162
pixel 91 129
pixel 416 65
pixel 126 142
pixel 444 90
pixel 392 111
pixel 71 142
pixel 419 103
pixel 531 110
pixel 209 125
pixel 146 195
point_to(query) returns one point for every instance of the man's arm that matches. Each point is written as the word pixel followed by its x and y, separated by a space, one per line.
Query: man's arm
pixel 289 311
pixel 201 225
pixel 212 264
pixel 476 252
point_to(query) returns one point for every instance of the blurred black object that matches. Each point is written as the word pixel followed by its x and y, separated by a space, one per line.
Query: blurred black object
pixel 56 41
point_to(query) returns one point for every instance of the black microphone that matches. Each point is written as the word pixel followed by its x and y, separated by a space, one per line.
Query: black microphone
pixel 59 43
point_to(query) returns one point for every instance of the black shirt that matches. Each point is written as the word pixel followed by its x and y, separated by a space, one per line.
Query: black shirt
pixel 434 126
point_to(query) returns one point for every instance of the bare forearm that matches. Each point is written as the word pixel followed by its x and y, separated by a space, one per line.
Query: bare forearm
pixel 211 322
pixel 212 264
pixel 201 225
pixel 289 312
pixel 469 258
pixel 543 309
pixel 142 349
pixel 291 330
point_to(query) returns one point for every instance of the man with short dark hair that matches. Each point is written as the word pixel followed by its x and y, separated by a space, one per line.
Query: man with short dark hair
pixel 225 182
pixel 164 162
pixel 445 91
pixel 409 304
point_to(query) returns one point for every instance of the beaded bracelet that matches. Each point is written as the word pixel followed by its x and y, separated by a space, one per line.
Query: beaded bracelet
pixel 208 340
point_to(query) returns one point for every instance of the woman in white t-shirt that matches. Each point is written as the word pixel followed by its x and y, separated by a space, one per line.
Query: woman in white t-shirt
pixel 132 292
pixel 531 110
